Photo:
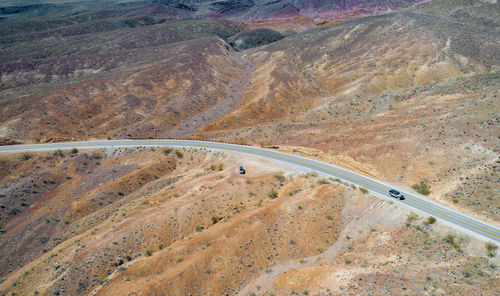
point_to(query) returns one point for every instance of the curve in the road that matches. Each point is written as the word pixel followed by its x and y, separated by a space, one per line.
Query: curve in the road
pixel 413 201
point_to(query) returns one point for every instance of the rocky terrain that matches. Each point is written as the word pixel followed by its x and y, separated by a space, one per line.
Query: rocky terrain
pixel 402 91
pixel 163 221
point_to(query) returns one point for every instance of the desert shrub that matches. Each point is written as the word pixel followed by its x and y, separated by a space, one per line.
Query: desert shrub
pixel 347 260
pixel 26 156
pixel 453 241
pixel 215 219
pixel 199 227
pixel 74 151
pixel 411 217
pixel 422 188
pixel 431 220
pixel 148 253
pixel 353 186
pixel 14 211
pixel 167 151
pixel 179 154
pixel 293 192
pixel 96 155
pixel 365 191
pixel 491 249
pixel 220 167
pixel 213 167
pixel 323 181
pixel 58 152
pixel 279 176
pixel 272 194
pixel 449 238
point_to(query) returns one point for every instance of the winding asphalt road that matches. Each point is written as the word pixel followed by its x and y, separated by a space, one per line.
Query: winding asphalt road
pixel 412 201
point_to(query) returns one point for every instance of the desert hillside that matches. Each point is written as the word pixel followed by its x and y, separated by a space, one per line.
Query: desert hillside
pixel 162 221
pixel 403 91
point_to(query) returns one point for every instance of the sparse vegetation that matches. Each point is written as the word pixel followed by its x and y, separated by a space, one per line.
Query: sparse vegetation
pixel 59 153
pixel 422 188
pixel 491 249
pixel 452 239
pixel 215 219
pixel 179 154
pixel 26 156
pixel 323 181
pixel 431 220
pixel 43 239
pixel 142 73
pixel 272 194
pixel 280 177
pixel 73 151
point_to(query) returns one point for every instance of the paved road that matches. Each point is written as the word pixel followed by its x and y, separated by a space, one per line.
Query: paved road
pixel 416 202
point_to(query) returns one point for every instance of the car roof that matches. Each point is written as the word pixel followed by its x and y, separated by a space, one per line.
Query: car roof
pixel 393 191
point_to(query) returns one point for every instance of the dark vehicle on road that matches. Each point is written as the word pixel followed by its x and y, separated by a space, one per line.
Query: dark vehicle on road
pixel 242 170
pixel 396 194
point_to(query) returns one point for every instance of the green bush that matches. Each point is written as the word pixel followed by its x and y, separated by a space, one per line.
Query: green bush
pixel 491 249
pixel 365 191
pixel 422 188
pixel 431 220
pixel 272 194
pixel 167 151
pixel 449 238
pixel 179 154
pixel 452 240
pixel 74 151
pixel 26 156
pixel 323 181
